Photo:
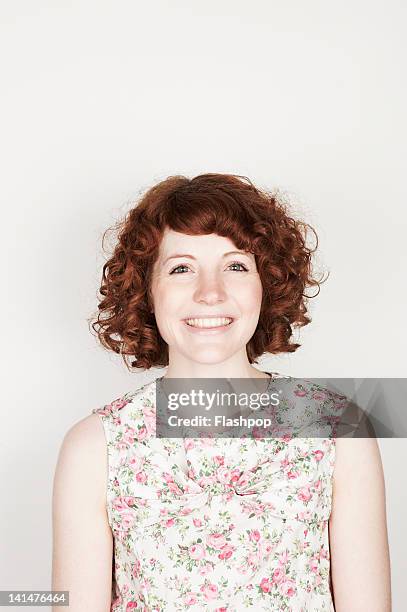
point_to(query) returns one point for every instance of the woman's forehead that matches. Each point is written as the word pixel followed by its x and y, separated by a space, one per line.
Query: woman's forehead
pixel 177 240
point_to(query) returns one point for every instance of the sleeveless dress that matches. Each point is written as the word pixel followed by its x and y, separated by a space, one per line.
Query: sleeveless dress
pixel 217 524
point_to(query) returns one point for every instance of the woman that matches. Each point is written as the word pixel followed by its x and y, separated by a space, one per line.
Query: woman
pixel 207 275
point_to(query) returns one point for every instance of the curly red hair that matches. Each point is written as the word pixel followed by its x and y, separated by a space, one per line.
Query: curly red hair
pixel 224 204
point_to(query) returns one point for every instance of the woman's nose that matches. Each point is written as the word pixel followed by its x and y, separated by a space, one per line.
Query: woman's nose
pixel 210 289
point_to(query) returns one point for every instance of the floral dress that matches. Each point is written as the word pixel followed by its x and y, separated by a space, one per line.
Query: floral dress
pixel 217 524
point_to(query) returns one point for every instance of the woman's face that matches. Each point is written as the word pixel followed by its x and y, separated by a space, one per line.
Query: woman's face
pixel 197 278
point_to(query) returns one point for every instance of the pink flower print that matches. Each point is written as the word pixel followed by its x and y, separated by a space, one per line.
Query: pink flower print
pixel 284 462
pixel 131 605
pixel 150 424
pixel 313 564
pixel 120 504
pixel 136 568
pixel 319 395
pixel 205 569
pixel 226 551
pixel 216 540
pixel 207 442
pixel 261 551
pixel 121 536
pixel 149 410
pixel 221 610
pixel 244 479
pixel 141 477
pixel 129 500
pixel 283 558
pixel 265 585
pixel 174 488
pixel 258 432
pixel 197 522
pixel 125 513
pixel 206 480
pixel 219 459
pixel 106 410
pixel 135 463
pixel 318 454
pixel 170 522
pixel 228 496
pixel 209 590
pixel 190 599
pixel 304 516
pixel 304 494
pixel 287 588
pixel 168 477
pixel 119 403
pixel 253 559
pixel 278 575
pixel 223 475
pixel 117 602
pixel 340 403
pixel 293 474
pixel 189 443
pixel 254 535
pixel 142 433
pixel 318 485
pixel 196 551
pixel 129 436
pixel 121 444
pixel 235 475
pixel 300 393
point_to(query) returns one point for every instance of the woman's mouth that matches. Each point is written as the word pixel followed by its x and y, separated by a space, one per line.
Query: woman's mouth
pixel 209 325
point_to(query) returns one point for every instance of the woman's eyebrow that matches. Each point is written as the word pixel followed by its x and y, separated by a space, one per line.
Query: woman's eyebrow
pixel 192 257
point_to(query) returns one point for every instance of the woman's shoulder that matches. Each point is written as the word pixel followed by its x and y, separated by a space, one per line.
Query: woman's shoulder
pixel 81 455
pixel 129 401
pixel 356 459
pixel 86 438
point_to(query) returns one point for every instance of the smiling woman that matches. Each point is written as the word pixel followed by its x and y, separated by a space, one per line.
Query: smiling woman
pixel 208 274
pixel 211 246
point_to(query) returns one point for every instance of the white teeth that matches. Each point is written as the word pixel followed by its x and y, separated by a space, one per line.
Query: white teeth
pixel 208 322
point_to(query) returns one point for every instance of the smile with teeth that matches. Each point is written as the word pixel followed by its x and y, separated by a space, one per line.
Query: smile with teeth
pixel 219 322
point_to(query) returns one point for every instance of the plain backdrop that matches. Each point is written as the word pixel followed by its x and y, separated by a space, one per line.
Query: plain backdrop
pixel 100 100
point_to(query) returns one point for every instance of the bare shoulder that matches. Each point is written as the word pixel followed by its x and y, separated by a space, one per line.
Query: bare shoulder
pixel 88 430
pixel 82 539
pixel 358 465
pixel 83 457
pixel 360 559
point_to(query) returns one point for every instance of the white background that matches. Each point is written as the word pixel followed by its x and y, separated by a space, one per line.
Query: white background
pixel 100 100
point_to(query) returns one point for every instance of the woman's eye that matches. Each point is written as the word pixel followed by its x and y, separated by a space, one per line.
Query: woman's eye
pixel 177 268
pixel 235 263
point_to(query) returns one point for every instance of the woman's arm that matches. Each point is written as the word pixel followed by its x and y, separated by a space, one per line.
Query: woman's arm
pixel 360 560
pixel 82 538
